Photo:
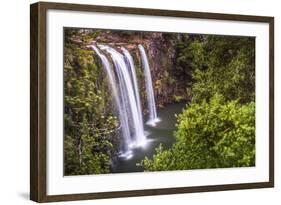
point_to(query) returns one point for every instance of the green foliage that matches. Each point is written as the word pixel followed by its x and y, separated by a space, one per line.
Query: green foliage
pixel 189 53
pixel 217 129
pixel 217 74
pixel 89 123
pixel 178 98
pixel 220 64
pixel 210 135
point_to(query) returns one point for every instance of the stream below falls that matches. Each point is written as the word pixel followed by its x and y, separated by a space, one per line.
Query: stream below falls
pixel 161 133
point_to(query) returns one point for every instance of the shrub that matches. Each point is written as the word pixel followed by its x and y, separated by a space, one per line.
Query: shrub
pixel 212 134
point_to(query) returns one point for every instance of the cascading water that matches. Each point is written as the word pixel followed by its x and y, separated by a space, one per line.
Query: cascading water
pixel 126 91
pixel 130 63
pixel 152 120
pixel 124 85
pixel 124 125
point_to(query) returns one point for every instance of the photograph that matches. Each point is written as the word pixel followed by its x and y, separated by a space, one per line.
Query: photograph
pixel 132 101
pixel 144 101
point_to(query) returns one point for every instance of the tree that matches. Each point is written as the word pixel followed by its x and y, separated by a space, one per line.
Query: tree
pixel 89 121
pixel 219 64
pixel 212 134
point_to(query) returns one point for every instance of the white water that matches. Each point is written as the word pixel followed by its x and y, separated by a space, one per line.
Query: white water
pixel 124 125
pixel 126 91
pixel 131 65
pixel 152 120
pixel 124 85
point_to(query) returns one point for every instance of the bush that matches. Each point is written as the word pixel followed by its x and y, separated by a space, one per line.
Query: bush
pixel 89 123
pixel 212 134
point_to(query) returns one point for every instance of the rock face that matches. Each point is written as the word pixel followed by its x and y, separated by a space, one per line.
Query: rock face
pixel 161 48
pixel 162 53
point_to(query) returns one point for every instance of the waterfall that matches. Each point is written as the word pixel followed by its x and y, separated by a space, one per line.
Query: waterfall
pixel 124 125
pixel 152 120
pixel 127 97
pixel 130 63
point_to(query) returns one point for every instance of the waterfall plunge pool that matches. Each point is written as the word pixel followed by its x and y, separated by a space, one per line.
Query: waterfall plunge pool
pixel 161 133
